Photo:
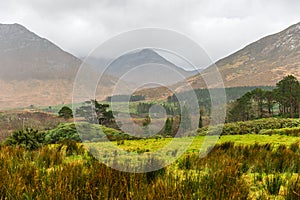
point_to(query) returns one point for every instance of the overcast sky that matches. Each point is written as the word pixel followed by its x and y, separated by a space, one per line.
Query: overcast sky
pixel 220 26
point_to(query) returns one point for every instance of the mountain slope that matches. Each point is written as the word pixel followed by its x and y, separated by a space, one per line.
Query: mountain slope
pixel 34 71
pixel 263 62
pixel 24 55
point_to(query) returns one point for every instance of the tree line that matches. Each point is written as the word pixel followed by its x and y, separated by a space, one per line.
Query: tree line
pixel 171 109
pixel 283 100
pixel 204 98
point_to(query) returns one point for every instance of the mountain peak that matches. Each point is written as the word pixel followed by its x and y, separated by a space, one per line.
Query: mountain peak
pixel 13 27
pixel 135 65
pixel 16 32
pixel 13 24
pixel 147 51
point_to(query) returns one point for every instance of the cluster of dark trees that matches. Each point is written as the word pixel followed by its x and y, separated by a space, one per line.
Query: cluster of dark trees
pixel 204 98
pixel 284 100
pixel 184 120
pixel 92 111
pixel 171 109
pixel 125 98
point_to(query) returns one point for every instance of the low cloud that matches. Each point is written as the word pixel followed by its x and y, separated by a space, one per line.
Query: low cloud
pixel 219 26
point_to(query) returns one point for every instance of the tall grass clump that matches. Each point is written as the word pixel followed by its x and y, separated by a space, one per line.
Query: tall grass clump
pixel 273 183
pixel 293 189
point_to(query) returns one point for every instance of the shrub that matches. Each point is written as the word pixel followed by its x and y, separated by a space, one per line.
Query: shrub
pixel 29 138
pixel 65 131
pixel 82 131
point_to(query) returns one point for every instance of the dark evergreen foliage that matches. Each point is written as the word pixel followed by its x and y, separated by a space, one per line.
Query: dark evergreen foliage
pixel 125 98
pixel 94 112
pixel 260 103
pixel 65 112
pixel 29 139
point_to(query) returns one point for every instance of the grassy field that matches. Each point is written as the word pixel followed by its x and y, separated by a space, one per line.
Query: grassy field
pixel 261 165
pixel 239 167
pixel 145 145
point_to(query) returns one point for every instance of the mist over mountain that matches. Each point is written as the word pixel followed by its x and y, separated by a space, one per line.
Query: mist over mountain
pixel 141 66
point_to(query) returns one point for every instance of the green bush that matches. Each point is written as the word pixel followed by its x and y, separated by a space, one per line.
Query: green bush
pixel 29 138
pixel 82 131
pixel 65 131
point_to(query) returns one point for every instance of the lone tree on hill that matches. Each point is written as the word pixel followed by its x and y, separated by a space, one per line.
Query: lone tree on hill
pixel 95 112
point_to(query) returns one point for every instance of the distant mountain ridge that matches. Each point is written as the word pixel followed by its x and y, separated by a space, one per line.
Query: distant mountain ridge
pixel 139 64
pixel 126 62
